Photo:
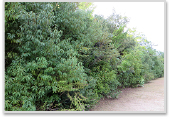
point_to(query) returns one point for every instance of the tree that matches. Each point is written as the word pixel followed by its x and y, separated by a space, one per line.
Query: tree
pixel 58 56
pixel 45 68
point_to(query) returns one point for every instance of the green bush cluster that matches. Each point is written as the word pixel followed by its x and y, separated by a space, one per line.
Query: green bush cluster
pixel 59 57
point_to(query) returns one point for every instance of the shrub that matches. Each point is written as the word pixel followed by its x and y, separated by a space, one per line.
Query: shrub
pixel 45 68
pixel 58 56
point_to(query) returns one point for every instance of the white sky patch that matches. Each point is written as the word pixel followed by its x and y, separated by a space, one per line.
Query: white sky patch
pixel 146 17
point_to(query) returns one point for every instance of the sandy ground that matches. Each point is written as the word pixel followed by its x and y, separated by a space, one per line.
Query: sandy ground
pixel 147 98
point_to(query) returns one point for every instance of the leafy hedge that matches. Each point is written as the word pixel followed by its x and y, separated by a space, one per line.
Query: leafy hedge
pixel 58 56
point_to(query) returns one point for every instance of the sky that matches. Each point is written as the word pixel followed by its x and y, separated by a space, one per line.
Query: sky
pixel 146 17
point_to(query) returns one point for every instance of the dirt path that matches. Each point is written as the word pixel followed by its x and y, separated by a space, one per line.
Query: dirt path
pixel 147 98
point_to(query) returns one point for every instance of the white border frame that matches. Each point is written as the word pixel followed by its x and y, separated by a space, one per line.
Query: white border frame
pixel 96 112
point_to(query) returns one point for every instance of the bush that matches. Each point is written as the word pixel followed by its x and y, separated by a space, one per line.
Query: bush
pixel 46 67
pixel 58 56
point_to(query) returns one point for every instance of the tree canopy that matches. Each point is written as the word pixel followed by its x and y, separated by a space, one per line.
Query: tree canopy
pixel 58 56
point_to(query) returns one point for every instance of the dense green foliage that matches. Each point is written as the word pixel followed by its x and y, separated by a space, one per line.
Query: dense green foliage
pixel 58 56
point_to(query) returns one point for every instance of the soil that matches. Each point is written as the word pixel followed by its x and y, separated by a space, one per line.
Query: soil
pixel 147 98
